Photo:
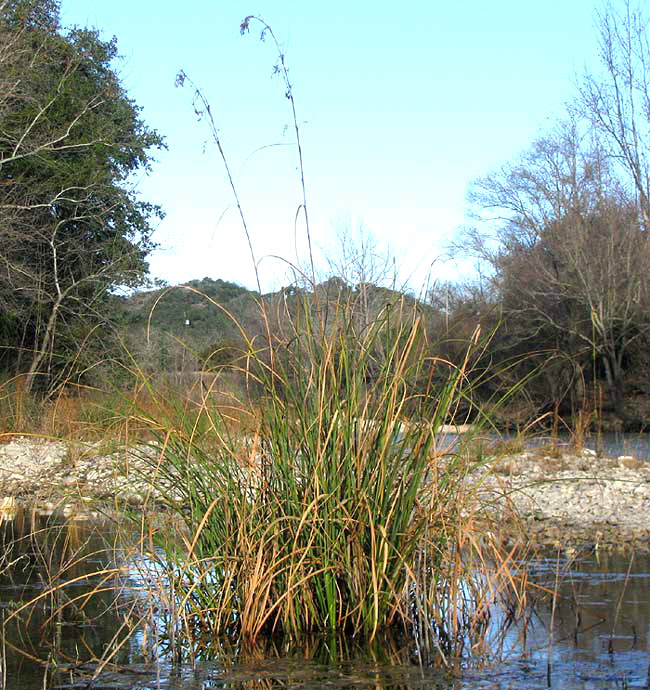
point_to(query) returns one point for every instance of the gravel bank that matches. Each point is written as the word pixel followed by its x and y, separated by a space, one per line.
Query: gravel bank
pixel 573 499
pixel 55 472
pixel 566 500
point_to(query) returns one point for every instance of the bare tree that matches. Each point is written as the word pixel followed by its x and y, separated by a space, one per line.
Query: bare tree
pixel 617 100
pixel 359 262
pixel 568 254
pixel 357 257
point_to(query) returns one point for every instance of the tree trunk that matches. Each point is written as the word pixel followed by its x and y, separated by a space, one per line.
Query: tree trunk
pixel 39 354
pixel 614 376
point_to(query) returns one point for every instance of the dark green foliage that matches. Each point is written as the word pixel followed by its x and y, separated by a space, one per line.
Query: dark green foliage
pixel 19 14
pixel 168 309
pixel 71 226
pixel 163 315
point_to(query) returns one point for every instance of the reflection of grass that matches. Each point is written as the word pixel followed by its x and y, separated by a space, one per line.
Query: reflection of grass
pixel 60 579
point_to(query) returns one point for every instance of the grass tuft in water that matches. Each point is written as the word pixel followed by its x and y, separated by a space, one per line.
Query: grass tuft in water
pixel 335 509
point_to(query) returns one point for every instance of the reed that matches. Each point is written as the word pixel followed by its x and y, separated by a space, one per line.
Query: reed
pixel 335 511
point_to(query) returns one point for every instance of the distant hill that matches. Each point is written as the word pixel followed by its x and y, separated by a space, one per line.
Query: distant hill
pixel 167 328
pixel 178 327
pixel 187 311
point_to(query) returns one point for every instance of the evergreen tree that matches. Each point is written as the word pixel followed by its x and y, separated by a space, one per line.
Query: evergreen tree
pixel 72 228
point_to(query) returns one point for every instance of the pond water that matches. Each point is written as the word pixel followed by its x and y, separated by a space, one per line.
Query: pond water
pixel 610 444
pixel 594 633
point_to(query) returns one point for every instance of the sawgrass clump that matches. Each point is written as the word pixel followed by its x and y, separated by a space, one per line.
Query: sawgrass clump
pixel 335 509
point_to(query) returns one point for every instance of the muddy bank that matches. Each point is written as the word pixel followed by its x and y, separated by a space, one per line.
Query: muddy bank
pixel 565 501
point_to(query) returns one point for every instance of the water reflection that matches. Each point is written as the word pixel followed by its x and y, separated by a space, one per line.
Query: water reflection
pixel 592 633
pixel 608 444
pixel 67 568
pixel 596 636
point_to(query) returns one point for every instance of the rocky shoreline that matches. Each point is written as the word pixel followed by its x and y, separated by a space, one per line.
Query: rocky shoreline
pixel 571 499
pixel 56 475
pixel 564 499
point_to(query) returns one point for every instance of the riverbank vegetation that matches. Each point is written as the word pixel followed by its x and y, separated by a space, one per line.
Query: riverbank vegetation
pixel 324 506
pixel 561 298
pixel 291 440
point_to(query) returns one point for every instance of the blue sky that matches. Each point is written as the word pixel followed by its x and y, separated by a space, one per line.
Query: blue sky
pixel 401 106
